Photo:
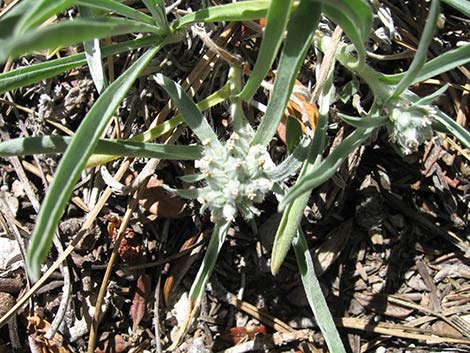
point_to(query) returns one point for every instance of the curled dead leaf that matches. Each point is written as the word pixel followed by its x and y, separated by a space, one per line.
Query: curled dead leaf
pixel 140 300
pixel 179 268
pixel 37 328
pixel 160 203
pixel 300 109
pixel 243 333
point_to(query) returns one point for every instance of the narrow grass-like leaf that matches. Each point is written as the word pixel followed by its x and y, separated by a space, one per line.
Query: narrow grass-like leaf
pixel 328 167
pixel 299 37
pixel 289 226
pixel 58 144
pixel 293 213
pixel 238 11
pixel 314 294
pixel 192 178
pixel 10 19
pixel 351 29
pixel 293 133
pixel 69 33
pixel 355 18
pixel 27 75
pixel 199 285
pixel 463 6
pixel 420 56
pixel 462 134
pixel 157 9
pixel 445 62
pixel 39 11
pixel 440 64
pixel 189 194
pixel 93 55
pixel 189 111
pixel 363 122
pixel 276 22
pixel 358 11
pixel 429 99
pixel 167 126
pixel 292 163
pixel 74 160
pixel 118 8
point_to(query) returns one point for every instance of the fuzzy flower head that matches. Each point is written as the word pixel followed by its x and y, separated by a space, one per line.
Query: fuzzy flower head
pixel 236 178
pixel 410 125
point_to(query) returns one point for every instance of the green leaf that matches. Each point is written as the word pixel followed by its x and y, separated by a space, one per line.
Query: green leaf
pixel 192 178
pixel 238 11
pixel 358 11
pixel 27 75
pixel 429 99
pixel 299 37
pixel 199 285
pixel 189 111
pixel 440 64
pixel 189 194
pixel 289 226
pixel 9 20
pixel 363 122
pixel 292 163
pixel 93 56
pixel 293 133
pixel 157 9
pixel 118 8
pixel 314 294
pixel 460 5
pixel 74 160
pixel 293 213
pixel 58 144
pixel 69 33
pixel 276 22
pixel 462 134
pixel 355 18
pixel 39 11
pixel 445 62
pixel 327 167
pixel 167 126
pixel 420 56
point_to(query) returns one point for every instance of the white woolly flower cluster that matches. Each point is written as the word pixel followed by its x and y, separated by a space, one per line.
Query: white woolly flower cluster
pixel 236 177
pixel 410 126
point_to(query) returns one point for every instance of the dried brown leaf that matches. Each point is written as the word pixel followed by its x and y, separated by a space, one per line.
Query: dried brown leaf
pixel 179 268
pixel 139 302
pixel 301 109
pixel 160 203
pixel 379 304
pixel 112 344
pixel 37 328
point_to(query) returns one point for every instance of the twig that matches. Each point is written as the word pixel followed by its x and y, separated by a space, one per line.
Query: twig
pixel 326 63
pixel 88 223
pixel 156 317
pixel 35 170
pixel 104 284
pixel 66 295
